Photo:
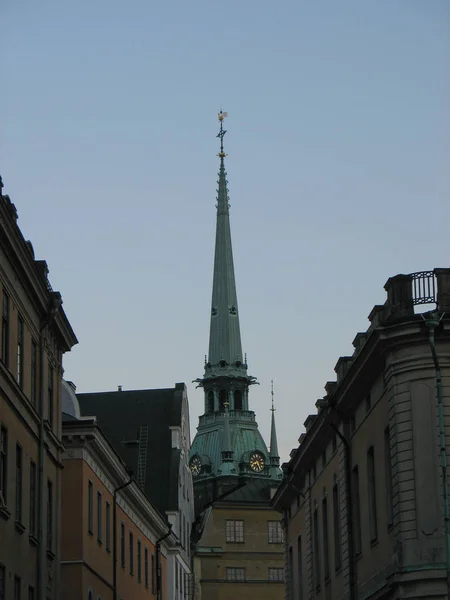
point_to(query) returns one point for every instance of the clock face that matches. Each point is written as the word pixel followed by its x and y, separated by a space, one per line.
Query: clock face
pixel 257 462
pixel 196 466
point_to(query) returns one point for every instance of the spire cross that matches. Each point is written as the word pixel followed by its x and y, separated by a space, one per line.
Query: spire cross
pixel 221 134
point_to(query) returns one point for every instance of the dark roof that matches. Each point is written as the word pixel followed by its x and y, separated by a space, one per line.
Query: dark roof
pixel 257 491
pixel 120 415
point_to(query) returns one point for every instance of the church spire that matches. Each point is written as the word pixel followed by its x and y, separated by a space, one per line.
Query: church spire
pixel 273 453
pixel 225 335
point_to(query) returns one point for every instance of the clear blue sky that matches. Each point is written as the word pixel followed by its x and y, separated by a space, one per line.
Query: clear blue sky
pixel 338 169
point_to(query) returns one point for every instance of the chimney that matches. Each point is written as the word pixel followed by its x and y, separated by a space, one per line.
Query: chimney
pixel 119 388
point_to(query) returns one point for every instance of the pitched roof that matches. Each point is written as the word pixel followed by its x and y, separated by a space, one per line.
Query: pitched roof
pixel 257 491
pixel 121 414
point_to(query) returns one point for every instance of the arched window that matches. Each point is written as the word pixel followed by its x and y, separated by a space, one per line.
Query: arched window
pixel 90 595
pixel 238 400
pixel 223 397
pixel 210 402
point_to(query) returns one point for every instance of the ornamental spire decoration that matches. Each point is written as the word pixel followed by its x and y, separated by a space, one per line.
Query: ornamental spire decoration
pixel 273 453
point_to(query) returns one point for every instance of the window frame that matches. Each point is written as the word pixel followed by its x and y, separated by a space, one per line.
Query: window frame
pixel 108 526
pixel 90 507
pixel 20 339
pixel 4 356
pixel 122 545
pixel 357 539
pixel 372 495
pixel 337 528
pixel 50 515
pixel 276 570
pixel 50 396
pixel 139 560
pixel 316 546
pixel 325 539
pixel 231 574
pixel 275 532
pixel 131 552
pixel 234 529
pixel 99 518
pixel 32 499
pixel 19 484
pixel 4 462
pixel 33 374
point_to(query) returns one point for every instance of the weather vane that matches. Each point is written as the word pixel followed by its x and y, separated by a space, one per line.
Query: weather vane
pixel 221 134
pixel 273 407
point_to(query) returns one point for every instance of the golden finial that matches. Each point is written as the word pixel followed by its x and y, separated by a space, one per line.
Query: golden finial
pixel 221 116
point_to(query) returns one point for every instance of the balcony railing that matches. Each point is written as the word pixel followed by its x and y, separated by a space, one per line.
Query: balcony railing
pixel 423 287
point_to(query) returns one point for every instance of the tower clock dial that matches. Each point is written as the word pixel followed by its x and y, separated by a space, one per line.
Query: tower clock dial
pixel 196 466
pixel 257 462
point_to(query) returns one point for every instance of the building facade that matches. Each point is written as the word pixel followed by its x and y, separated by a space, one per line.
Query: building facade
pixel 229 457
pixel 115 544
pixel 364 496
pixel 149 429
pixel 35 333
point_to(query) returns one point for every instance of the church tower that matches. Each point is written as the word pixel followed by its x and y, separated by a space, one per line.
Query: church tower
pixel 228 448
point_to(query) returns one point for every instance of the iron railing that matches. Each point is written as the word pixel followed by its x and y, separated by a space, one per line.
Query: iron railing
pixel 423 287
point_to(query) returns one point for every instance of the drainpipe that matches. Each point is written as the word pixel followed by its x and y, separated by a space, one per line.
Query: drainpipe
pixel 55 303
pixel 116 491
pixel 348 493
pixel 158 565
pixel 432 321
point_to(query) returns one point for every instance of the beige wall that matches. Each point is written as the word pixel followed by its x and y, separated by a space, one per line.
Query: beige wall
pixel 256 555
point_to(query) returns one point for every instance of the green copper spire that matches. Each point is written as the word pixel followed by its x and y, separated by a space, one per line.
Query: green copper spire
pixel 225 335
pixel 273 453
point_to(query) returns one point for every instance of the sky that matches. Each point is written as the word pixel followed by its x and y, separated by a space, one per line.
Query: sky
pixel 338 166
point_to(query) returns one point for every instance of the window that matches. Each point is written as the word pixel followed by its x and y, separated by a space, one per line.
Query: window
pixel 176 576
pixel 352 424
pixel 5 329
pixel 372 495
pixel 19 373
pixel 324 459
pixel 31 593
pixel 122 544
pixel 291 573
pixel 17 587
pixel 356 511
pixel 234 532
pixel 235 574
pixel 99 518
pixel 2 582
pixel 326 552
pixel 33 374
pixel 388 477
pixel 334 443
pixel 368 402
pixel 19 482
pixel 299 567
pixel 275 532
pixel 153 575
pixel 210 402
pixel 238 400
pixel 3 462
pixel 223 398
pixel 32 525
pixel 49 515
pixel 139 561
pixel 131 552
pixel 108 527
pixel 50 408
pixel 146 568
pixel 91 507
pixel 316 548
pixel 336 528
pixel 276 574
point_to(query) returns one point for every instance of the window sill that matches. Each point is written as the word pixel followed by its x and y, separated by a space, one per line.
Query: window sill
pixel 19 527
pixel 50 554
pixel 4 513
pixel 33 540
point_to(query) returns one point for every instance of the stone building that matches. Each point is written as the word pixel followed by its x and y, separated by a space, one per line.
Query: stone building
pixel 364 496
pixel 115 543
pixel 149 429
pixel 233 470
pixel 35 333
